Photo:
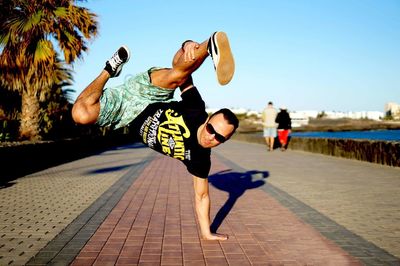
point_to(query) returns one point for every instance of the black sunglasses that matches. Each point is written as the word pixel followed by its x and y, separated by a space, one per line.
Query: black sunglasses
pixel 210 129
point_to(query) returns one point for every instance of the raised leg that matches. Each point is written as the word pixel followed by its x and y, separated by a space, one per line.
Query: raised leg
pixel 86 108
pixel 190 57
pixel 186 60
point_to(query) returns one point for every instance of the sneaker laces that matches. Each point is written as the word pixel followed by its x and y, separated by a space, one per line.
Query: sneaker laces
pixel 115 61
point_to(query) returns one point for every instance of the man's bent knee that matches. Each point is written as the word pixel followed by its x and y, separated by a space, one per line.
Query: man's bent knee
pixel 84 115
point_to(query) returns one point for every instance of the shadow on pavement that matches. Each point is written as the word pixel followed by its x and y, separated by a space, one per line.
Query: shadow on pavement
pixel 117 149
pixel 27 159
pixel 112 169
pixel 235 183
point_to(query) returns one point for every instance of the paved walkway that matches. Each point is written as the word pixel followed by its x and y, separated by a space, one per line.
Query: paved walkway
pixel 132 206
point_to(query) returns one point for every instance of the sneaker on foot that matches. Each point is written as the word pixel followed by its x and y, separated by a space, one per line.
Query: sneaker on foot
pixel 115 63
pixel 220 51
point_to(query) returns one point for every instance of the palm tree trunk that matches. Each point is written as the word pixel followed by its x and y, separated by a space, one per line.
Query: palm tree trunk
pixel 29 127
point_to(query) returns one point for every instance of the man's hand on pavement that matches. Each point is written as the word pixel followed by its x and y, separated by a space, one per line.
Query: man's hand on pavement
pixel 220 237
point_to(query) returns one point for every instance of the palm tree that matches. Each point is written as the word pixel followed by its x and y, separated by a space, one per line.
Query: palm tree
pixel 29 61
pixel 56 102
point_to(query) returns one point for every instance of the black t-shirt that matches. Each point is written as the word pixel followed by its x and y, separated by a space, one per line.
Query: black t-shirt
pixel 171 129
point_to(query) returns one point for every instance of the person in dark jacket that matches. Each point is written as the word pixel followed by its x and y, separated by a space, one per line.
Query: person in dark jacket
pixel 284 126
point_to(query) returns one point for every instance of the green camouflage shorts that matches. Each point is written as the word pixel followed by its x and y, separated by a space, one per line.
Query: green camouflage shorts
pixel 120 105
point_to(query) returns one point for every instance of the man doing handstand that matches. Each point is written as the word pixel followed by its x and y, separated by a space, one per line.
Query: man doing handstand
pixel 179 129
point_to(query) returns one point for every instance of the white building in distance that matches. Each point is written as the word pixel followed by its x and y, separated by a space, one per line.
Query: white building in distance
pixel 393 109
pixel 374 115
pixel 301 118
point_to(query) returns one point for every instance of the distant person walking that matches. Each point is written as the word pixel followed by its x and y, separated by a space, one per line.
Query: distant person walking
pixel 269 124
pixel 284 126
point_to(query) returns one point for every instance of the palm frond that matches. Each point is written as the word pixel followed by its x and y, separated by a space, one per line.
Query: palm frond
pixel 61 12
pixel 4 38
pixel 44 51
pixel 32 21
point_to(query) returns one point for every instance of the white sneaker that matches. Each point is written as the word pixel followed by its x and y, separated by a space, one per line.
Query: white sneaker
pixel 220 51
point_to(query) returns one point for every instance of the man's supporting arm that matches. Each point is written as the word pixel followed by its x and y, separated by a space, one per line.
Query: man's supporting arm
pixel 202 204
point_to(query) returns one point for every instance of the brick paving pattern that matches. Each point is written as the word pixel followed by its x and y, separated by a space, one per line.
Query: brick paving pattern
pixel 132 206
pixel 155 223
pixel 362 197
pixel 36 208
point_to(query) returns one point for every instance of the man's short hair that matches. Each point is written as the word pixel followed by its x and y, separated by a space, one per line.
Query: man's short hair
pixel 230 117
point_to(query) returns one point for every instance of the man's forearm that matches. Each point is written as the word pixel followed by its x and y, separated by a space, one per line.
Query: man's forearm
pixel 203 214
pixel 202 205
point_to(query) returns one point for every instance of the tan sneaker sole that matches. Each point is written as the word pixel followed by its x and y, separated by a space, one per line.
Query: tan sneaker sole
pixel 226 65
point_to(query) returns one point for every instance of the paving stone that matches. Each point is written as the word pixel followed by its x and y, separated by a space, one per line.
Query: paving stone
pixel 39 206
pixel 348 201
pixel 89 212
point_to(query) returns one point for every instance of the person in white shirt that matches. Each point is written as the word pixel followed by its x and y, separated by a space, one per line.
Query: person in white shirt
pixel 268 117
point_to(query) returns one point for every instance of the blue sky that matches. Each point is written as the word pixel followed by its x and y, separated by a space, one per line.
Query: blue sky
pixel 326 55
